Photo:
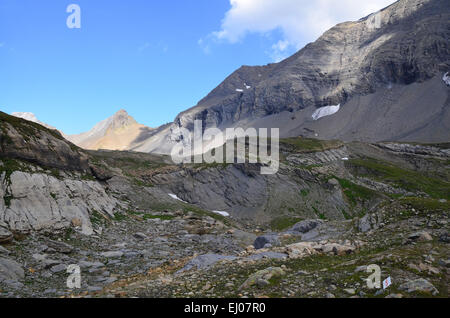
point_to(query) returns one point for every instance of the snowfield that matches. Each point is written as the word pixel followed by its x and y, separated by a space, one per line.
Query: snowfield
pixel 325 111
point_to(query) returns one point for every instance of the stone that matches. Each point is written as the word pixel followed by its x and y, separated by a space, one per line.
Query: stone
pixel 350 291
pixel 368 222
pixel 262 240
pixel 58 268
pixel 419 285
pixel 444 237
pixel 76 222
pixel 93 289
pixel 306 226
pixel 204 261
pixel 86 264
pixel 260 283
pixel 10 270
pixel 140 236
pixel 394 296
pixel 420 236
pixel 5 236
pixel 4 251
pixel 34 209
pixel 112 254
pixel 265 274
pixel 333 182
pixel 268 255
pixel 302 249
pixel 445 263
pixel 39 257
pixel 337 249
pixel 362 268
pixel 49 263
pixel 60 247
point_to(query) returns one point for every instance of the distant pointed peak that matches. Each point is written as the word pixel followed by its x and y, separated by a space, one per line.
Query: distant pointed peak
pixel 121 112
pixel 121 119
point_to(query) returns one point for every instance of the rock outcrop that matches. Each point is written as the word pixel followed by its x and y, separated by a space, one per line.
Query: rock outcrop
pixel 43 202
pixel 29 141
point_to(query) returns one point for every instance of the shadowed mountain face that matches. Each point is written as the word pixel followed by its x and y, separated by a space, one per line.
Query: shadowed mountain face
pixel 371 68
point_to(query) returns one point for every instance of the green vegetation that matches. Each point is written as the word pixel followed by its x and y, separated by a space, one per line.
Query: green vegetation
pixel 406 179
pixel 320 215
pixel 9 166
pixel 426 204
pixel 356 193
pixel 97 218
pixel 7 200
pixel 141 183
pixel 29 130
pixel 87 177
pixel 346 215
pixel 284 222
pixel 144 216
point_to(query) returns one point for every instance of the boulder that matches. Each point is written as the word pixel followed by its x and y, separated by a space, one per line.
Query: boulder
pixel 5 235
pixel 420 236
pixel 10 270
pixel 60 247
pixel 367 223
pixel 299 250
pixel 34 208
pixel 261 277
pixel 306 226
pixel 262 240
pixel 419 285
pixel 140 236
pixel 112 254
pixel 204 261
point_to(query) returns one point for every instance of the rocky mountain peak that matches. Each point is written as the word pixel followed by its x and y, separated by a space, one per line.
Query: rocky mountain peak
pixel 121 119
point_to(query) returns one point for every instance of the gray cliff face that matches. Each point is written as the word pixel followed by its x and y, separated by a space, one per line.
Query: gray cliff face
pixel 402 44
pixel 43 202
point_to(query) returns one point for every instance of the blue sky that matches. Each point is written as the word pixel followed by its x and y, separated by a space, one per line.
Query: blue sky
pixel 152 58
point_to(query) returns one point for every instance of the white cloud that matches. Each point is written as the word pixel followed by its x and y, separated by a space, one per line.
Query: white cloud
pixel 279 50
pixel 299 21
pixel 2 44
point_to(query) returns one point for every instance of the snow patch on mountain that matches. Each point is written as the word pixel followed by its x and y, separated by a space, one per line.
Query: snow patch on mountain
pixel 174 196
pixel 30 117
pixel 223 213
pixel 325 111
pixel 27 116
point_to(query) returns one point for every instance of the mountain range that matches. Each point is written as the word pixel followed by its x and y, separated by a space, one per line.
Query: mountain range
pixel 136 224
pixel 382 78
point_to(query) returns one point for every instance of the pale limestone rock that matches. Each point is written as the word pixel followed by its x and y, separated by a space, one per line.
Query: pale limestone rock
pixel 42 202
